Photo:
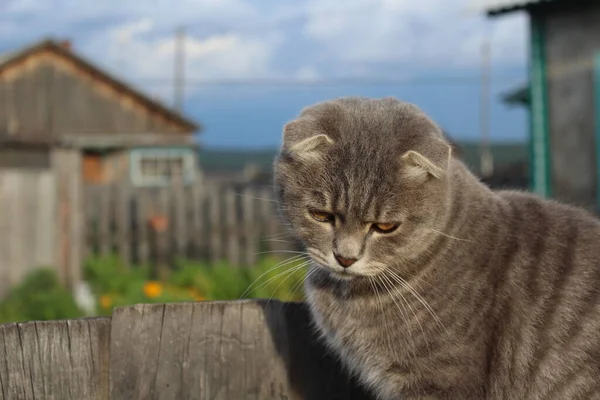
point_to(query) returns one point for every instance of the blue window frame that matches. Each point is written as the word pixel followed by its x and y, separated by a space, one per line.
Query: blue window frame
pixel 162 166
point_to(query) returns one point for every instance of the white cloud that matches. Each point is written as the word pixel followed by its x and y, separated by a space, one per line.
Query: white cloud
pixel 149 60
pixel 307 74
pixel 425 33
pixel 237 39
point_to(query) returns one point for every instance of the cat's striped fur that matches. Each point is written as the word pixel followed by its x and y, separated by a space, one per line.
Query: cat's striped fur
pixel 477 295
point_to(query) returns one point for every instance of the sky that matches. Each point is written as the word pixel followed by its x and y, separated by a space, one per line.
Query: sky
pixel 252 65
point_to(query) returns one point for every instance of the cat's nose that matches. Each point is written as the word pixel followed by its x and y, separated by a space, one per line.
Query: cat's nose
pixel 344 262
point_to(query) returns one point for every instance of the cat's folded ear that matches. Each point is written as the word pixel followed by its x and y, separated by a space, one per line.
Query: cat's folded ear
pixel 431 160
pixel 302 140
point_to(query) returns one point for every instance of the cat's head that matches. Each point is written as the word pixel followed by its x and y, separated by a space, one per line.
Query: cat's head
pixel 362 183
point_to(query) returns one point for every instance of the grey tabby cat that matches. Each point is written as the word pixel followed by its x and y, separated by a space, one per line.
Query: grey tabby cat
pixel 426 283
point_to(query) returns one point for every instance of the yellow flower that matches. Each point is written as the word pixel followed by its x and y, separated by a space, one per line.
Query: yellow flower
pixel 153 289
pixel 195 295
pixel 105 301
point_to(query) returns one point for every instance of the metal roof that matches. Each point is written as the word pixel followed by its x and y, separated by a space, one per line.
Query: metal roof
pixel 503 6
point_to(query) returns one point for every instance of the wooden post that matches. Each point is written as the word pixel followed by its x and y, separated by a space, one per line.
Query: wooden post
pixel 123 222
pixel 233 227
pixel 197 226
pixel 206 351
pixel 159 225
pixel 141 225
pixel 29 233
pixel 222 351
pixel 66 164
pixel 179 218
pixel 215 230
pixel 251 247
pixel 55 360
pixel 104 221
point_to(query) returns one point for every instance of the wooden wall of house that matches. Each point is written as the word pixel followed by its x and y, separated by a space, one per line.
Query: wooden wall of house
pixel 571 40
pixel 48 96
pixel 25 158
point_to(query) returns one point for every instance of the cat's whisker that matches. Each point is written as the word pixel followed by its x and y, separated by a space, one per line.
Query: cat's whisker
pixel 278 265
pixel 276 240
pixel 405 312
pixel 449 236
pixel 382 310
pixel 282 251
pixel 291 270
pixel 397 290
pixel 419 279
pixel 291 273
pixel 276 235
pixel 420 298
pixel 255 198
pixel 300 283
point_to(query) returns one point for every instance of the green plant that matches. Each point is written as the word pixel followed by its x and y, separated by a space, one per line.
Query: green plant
pixel 39 297
pixel 116 284
pixel 269 278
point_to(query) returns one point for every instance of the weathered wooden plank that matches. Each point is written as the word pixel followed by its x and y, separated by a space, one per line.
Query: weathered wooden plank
pixel 39 95
pixel 16 213
pixel 250 249
pixel 47 223
pixel 163 241
pixel 5 252
pixel 141 225
pixel 197 225
pixel 123 223
pixel 232 227
pixel 179 219
pixel 90 206
pixel 222 350
pixel 104 220
pixel 215 224
pixel 27 224
pixel 55 360
pixel 19 124
pixel 28 197
pixel 66 164
pixel 130 376
pixel 12 116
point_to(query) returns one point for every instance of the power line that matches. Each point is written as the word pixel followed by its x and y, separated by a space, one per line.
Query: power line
pixel 333 82
pixel 328 82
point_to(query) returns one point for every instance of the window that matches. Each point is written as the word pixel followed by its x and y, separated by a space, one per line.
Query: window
pixel 158 167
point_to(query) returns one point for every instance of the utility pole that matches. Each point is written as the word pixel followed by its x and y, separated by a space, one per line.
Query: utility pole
pixel 487 160
pixel 179 76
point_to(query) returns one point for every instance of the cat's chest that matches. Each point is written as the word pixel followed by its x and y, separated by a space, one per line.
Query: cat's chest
pixel 358 331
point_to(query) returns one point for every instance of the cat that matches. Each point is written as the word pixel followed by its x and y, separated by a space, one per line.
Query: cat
pixel 425 282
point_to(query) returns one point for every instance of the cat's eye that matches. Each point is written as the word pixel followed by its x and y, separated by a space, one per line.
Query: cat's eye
pixel 322 216
pixel 384 228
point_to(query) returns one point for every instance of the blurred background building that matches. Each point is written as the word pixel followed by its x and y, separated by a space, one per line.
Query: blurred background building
pixel 562 96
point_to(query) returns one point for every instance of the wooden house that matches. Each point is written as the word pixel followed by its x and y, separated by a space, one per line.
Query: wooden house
pixel 51 97
pixel 563 96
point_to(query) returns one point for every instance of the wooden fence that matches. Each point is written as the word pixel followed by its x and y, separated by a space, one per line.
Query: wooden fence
pixel 40 221
pixel 206 221
pixel 206 350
